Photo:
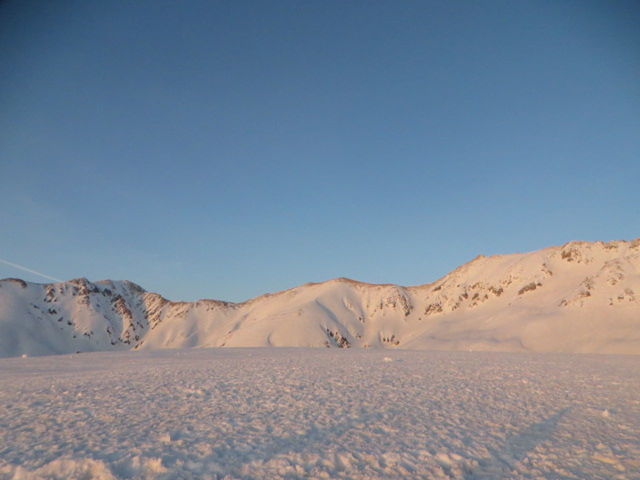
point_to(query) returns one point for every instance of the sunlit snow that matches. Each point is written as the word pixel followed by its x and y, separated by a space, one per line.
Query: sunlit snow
pixel 319 413
pixel 576 298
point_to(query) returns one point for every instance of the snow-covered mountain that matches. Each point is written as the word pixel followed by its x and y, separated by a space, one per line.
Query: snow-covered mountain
pixel 578 297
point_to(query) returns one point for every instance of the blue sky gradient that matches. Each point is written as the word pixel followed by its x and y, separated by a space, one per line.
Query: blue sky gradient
pixel 226 149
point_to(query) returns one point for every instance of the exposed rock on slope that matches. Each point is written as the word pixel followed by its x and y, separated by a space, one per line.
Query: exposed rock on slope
pixel 579 297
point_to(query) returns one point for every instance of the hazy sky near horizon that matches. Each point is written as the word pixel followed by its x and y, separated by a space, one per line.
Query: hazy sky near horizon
pixel 224 149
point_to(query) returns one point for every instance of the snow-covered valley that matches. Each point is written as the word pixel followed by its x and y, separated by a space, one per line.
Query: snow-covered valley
pixel 579 297
pixel 319 413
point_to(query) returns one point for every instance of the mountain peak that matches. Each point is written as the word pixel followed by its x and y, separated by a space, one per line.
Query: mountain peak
pixel 576 297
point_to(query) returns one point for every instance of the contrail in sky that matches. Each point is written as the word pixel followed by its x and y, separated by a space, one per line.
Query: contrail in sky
pixel 20 267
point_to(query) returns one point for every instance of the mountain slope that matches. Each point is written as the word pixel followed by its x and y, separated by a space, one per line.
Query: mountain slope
pixel 578 297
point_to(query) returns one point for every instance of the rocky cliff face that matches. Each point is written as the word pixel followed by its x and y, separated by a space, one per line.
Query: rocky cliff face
pixel 578 297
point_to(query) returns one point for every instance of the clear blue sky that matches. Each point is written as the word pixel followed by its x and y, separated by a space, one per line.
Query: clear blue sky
pixel 223 149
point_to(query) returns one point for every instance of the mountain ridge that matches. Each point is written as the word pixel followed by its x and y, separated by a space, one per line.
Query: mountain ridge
pixel 576 297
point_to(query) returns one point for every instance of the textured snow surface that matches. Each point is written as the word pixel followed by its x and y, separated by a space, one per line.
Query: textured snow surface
pixel 313 413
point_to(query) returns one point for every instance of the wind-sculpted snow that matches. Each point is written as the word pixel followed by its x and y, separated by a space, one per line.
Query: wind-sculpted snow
pixel 313 414
pixel 578 297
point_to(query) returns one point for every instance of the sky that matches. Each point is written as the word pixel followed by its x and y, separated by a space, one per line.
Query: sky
pixel 225 149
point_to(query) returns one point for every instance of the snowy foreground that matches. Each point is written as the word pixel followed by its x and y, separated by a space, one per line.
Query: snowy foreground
pixel 314 413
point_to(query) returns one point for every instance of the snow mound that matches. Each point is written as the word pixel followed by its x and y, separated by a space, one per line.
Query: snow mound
pixel 60 469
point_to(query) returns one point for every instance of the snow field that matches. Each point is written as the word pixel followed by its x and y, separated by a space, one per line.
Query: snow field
pixel 314 413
